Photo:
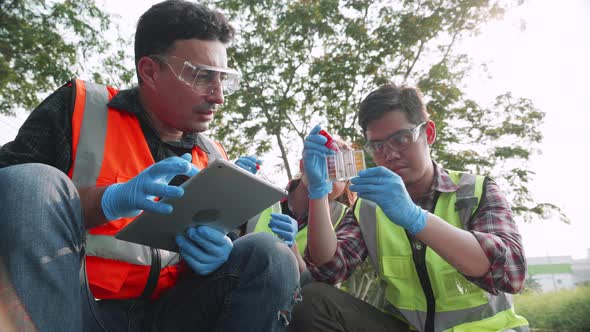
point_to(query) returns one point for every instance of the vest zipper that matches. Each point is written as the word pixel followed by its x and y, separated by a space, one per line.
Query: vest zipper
pixel 419 255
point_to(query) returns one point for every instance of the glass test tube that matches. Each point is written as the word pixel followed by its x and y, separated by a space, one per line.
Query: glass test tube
pixel 344 165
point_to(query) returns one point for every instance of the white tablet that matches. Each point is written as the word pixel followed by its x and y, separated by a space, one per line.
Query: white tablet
pixel 222 195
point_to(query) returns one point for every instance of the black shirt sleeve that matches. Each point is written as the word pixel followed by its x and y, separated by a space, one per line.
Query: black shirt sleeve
pixel 45 137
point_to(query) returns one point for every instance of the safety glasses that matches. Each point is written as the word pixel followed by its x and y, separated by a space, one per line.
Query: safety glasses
pixel 398 141
pixel 202 78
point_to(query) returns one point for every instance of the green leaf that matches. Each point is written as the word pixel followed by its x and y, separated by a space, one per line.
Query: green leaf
pixel 43 44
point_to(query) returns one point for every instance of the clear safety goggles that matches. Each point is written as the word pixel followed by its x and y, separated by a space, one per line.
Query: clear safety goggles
pixel 202 78
pixel 399 141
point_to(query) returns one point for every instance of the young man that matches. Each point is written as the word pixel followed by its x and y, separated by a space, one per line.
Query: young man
pixel 120 149
pixel 444 242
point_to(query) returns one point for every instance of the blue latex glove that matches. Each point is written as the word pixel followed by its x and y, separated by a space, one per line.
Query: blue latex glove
pixel 130 198
pixel 284 226
pixel 314 164
pixel 204 248
pixel 249 163
pixel 384 187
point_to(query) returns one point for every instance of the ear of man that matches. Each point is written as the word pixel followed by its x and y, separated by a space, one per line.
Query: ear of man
pixel 430 132
pixel 149 71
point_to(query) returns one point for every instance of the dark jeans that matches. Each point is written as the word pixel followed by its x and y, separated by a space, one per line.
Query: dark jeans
pixel 42 245
pixel 327 308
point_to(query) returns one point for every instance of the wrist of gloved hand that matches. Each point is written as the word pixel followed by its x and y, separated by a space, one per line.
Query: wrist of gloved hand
pixel 204 248
pixel 109 205
pixel 284 227
pixel 319 191
pixel 413 220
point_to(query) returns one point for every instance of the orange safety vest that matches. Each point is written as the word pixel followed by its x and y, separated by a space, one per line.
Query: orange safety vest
pixel 108 146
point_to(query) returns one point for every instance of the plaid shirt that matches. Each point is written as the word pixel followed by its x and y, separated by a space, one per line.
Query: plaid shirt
pixel 492 226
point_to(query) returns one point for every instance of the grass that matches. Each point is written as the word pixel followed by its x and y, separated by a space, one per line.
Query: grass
pixel 563 310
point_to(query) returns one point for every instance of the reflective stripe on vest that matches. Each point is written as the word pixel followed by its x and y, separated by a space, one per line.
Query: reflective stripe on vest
pixel 92 134
pixel 264 216
pixel 459 303
pixel 260 223
pixel 109 247
pixel 117 269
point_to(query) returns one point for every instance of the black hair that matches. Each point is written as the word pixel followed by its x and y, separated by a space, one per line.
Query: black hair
pixel 392 98
pixel 172 20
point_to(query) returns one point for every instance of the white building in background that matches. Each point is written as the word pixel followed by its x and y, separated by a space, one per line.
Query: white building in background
pixel 558 272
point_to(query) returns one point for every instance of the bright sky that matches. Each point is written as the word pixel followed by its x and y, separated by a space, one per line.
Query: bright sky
pixel 548 63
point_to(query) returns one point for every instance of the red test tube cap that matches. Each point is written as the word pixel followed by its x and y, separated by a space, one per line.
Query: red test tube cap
pixel 330 144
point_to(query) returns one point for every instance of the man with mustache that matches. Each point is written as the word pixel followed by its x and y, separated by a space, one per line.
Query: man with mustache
pixel 90 158
pixel 444 242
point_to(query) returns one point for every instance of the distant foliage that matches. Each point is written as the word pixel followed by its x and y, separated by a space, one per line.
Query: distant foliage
pixel 45 43
pixel 563 310
pixel 532 286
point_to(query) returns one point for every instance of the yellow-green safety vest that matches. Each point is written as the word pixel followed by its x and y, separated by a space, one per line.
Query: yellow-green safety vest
pixel 459 304
pixel 260 222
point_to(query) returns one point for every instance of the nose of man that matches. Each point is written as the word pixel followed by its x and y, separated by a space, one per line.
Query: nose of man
pixel 391 153
pixel 215 95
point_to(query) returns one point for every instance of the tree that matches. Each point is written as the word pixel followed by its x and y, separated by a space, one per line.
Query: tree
pixel 45 43
pixel 531 285
pixel 314 60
